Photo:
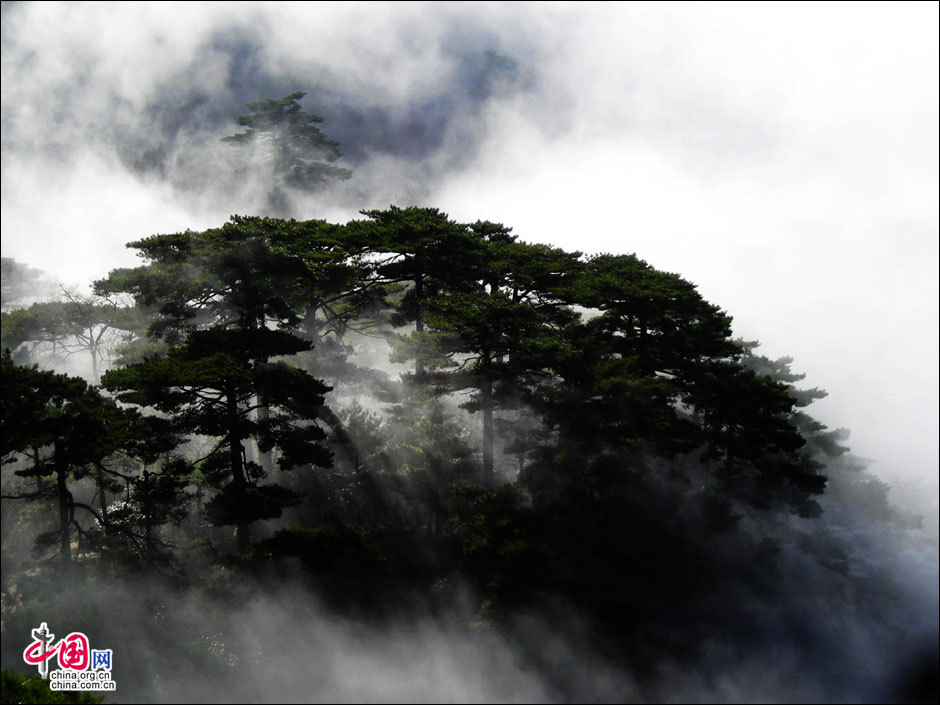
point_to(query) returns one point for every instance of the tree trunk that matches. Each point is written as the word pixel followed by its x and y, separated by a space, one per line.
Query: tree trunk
pixel 238 471
pixel 35 457
pixel 93 351
pixel 103 502
pixel 265 458
pixel 148 519
pixel 104 499
pixel 264 409
pixel 419 324
pixel 61 473
pixel 486 394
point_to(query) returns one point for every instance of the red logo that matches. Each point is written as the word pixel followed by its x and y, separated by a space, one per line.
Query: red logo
pixel 73 652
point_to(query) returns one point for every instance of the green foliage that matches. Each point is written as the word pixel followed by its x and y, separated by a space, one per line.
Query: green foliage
pixel 53 330
pixel 187 273
pixel 490 529
pixel 227 300
pixel 322 550
pixel 40 323
pixel 43 409
pixel 288 142
pixel 20 283
pixel 66 429
pixel 344 561
pixel 575 431
pixel 428 250
pixel 19 688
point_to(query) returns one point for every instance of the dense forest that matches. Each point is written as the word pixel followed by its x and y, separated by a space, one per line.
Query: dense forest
pixel 283 434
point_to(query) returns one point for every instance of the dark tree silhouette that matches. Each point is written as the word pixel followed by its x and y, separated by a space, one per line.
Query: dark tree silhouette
pixel 287 142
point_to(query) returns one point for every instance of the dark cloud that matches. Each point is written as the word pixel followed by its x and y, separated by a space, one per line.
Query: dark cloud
pixel 200 93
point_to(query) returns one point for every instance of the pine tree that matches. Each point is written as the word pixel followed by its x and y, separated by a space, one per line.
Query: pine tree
pixel 286 140
pixel 67 429
pixel 227 304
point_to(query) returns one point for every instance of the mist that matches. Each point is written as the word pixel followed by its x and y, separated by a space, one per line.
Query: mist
pixel 767 153
pixel 782 157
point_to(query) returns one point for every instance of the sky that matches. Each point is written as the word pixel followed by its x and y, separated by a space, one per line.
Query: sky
pixel 784 157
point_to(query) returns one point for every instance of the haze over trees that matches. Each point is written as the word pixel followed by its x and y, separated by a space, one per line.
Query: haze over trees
pixel 285 141
pixel 407 414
